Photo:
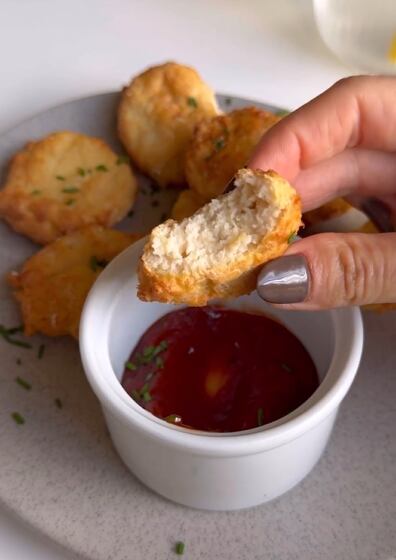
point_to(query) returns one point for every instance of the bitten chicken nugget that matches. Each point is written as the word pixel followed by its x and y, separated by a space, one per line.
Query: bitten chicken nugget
pixel 222 145
pixel 157 115
pixel 187 203
pixel 63 182
pixel 52 285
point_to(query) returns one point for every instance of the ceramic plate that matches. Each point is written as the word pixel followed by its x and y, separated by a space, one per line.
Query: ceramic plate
pixel 60 473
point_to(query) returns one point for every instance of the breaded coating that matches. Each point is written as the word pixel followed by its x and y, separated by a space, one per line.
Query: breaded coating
pixel 157 115
pixel 186 204
pixel 63 182
pixel 328 211
pixel 222 145
pixel 217 252
pixel 52 285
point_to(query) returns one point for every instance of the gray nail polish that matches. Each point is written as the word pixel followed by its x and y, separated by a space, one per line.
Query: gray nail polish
pixel 284 280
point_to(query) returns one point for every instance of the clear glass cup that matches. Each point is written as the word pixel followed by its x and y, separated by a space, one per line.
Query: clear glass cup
pixel 362 33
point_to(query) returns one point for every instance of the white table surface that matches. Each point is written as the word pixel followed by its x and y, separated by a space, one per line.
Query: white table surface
pixel 53 50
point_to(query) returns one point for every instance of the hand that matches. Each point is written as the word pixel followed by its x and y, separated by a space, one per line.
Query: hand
pixel 340 143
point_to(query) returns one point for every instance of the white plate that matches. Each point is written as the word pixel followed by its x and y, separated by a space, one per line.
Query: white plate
pixel 60 473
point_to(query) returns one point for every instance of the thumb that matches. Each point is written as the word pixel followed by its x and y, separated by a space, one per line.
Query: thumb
pixel 332 270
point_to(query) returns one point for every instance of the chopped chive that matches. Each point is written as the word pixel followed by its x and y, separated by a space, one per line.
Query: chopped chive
pixel 292 237
pixel 35 192
pixel 7 334
pixel 155 203
pixel 41 351
pixel 70 202
pixel 19 419
pixel 96 264
pixel 159 362
pixel 145 393
pixel 71 190
pixel 260 417
pixel 219 144
pixel 18 361
pixel 135 395
pixel 60 177
pixel 81 171
pixel 58 403
pixel 192 102
pixel 130 214
pixel 122 159
pixel 131 366
pixel 282 113
pixel 101 167
pixel 173 419
pixel 23 383
pixel 286 368
pixel 179 548
pixel 228 101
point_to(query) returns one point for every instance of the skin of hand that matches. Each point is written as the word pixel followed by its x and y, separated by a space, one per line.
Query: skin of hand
pixel 341 143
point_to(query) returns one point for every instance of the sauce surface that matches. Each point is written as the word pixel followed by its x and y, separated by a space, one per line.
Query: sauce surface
pixel 218 369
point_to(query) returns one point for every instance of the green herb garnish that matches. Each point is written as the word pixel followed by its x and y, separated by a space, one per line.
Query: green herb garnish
pixel 192 102
pixel 70 202
pixel 286 368
pixel 131 366
pixel 122 159
pixel 219 144
pixel 292 237
pixel 97 264
pixel 101 167
pixel 179 548
pixel 23 383
pixel 159 362
pixel 36 192
pixel 70 190
pixel 41 351
pixel 19 419
pixel 260 417
pixel 8 333
pixel 282 113
pixel 173 419
pixel 145 393
pixel 58 403
pixel 60 177
pixel 81 171
pixel 135 395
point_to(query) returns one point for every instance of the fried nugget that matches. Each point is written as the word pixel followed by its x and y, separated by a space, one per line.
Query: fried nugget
pixel 63 182
pixel 328 211
pixel 156 117
pixel 217 251
pixel 222 145
pixel 52 285
pixel 186 204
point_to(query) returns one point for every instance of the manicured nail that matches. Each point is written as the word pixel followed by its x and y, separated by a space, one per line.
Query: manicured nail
pixel 284 280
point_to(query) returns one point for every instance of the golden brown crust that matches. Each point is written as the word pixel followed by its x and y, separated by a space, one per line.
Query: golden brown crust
pixel 63 182
pixel 222 281
pixel 52 285
pixel 222 145
pixel 328 211
pixel 156 117
pixel 187 203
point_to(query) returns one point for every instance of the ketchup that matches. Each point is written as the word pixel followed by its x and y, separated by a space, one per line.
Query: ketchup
pixel 218 369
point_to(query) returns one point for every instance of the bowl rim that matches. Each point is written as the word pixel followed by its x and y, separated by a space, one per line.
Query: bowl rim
pixel 348 329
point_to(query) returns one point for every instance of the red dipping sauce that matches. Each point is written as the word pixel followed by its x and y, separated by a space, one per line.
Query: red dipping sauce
pixel 219 370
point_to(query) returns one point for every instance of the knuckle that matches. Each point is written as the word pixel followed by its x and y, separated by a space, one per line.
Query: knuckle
pixel 356 274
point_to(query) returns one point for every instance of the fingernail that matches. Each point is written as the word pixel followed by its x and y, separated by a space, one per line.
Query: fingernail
pixel 284 280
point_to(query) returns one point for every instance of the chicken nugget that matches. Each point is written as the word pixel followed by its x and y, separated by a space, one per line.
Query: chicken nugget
pixel 63 182
pixel 157 115
pixel 187 203
pixel 52 285
pixel 222 145
pixel 328 211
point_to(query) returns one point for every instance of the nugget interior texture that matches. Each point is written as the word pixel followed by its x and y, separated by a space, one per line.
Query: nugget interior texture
pixel 156 117
pixel 63 182
pixel 222 145
pixel 52 285
pixel 215 252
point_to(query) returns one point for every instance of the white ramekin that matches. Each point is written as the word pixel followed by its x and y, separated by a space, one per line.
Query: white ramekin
pixel 201 469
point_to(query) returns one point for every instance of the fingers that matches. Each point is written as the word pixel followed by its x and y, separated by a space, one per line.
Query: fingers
pixel 358 112
pixel 366 172
pixel 332 270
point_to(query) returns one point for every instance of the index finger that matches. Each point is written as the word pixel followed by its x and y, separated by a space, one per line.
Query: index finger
pixel 358 112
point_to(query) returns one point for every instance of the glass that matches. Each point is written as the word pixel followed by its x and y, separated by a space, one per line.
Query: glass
pixel 362 33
